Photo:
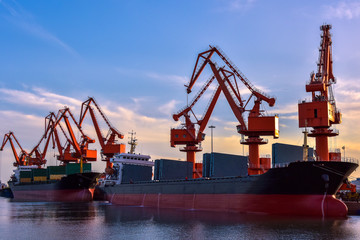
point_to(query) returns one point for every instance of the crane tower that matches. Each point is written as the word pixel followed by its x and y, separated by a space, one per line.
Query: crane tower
pixel 321 112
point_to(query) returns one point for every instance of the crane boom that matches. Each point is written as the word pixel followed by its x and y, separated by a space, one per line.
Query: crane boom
pixel 81 149
pixel 108 144
pixel 20 160
pixel 257 123
pixel 194 101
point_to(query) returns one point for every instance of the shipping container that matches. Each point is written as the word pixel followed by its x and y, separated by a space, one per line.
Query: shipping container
pixel 40 178
pixel 25 174
pixel 56 170
pixel 166 169
pixel 25 180
pixel 135 173
pixel 206 167
pixel 56 177
pixel 286 153
pixel 72 168
pixel 156 170
pixel 224 165
pixel 39 172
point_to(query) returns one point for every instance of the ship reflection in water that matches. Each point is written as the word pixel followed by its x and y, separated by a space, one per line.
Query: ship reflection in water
pixel 105 221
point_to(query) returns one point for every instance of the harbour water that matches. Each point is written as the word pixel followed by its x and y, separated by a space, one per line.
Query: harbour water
pixel 98 220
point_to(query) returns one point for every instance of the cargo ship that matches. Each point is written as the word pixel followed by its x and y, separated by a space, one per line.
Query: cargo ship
pixel 67 183
pixel 300 188
pixel 304 188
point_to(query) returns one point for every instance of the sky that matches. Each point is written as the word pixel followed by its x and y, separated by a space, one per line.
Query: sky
pixel 134 58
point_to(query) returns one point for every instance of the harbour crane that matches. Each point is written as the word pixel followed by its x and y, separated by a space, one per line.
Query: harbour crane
pixel 21 159
pixel 80 148
pixel 257 124
pixel 66 152
pixel 186 135
pixel 36 155
pixel 108 143
pixel 321 112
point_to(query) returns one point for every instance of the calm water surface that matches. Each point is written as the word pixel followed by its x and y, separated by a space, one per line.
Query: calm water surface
pixel 104 221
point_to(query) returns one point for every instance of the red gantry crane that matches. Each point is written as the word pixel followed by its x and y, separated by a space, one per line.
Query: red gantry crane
pixel 39 156
pixel 66 152
pixel 73 150
pixel 187 134
pixel 109 145
pixel 21 159
pixel 258 124
pixel 321 113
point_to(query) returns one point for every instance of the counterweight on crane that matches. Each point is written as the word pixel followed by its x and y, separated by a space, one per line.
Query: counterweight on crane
pixel 321 113
pixel 109 145
pixel 258 124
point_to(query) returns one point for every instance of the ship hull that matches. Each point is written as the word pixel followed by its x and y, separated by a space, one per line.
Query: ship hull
pixel 6 193
pixel 299 205
pixel 72 188
pixel 302 188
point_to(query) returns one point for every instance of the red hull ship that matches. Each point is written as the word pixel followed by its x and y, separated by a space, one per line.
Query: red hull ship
pixel 78 187
pixel 301 189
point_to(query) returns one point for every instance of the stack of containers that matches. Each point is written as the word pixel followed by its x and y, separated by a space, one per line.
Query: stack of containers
pixel 56 172
pixel 166 169
pixel 39 174
pixel 25 176
pixel 224 165
pixel 135 173
pixel 72 168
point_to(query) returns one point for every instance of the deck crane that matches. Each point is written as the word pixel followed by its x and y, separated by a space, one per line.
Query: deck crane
pixel 21 158
pixel 81 150
pixel 109 145
pixel 321 113
pixel 258 124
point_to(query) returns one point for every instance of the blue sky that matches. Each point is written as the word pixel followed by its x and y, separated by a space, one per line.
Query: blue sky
pixel 135 56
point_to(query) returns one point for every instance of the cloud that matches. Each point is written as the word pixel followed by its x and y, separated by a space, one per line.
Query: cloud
pixel 24 20
pixel 38 98
pixel 168 78
pixel 168 108
pixel 291 117
pixel 284 109
pixel 343 10
pixel 236 5
pixel 163 78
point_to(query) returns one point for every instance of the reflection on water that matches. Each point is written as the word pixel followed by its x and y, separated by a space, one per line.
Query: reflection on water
pixel 239 226
pixel 104 221
pixel 52 211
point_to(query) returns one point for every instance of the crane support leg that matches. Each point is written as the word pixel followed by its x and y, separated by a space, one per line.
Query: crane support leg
pixel 254 159
pixel 321 138
pixel 322 149
pixel 190 157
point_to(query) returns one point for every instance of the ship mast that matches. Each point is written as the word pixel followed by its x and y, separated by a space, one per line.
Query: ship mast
pixel 305 146
pixel 132 142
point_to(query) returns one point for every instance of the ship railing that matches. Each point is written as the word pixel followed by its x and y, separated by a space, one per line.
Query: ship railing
pixel 281 165
pixel 350 159
pixel 264 140
pixel 261 166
